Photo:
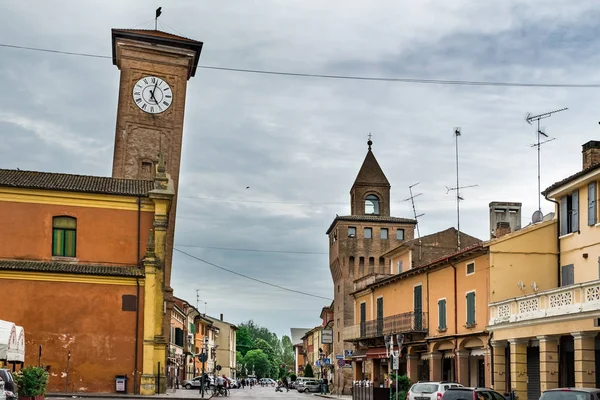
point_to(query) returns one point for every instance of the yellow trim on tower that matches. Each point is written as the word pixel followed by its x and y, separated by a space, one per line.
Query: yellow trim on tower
pixel 56 197
pixel 70 278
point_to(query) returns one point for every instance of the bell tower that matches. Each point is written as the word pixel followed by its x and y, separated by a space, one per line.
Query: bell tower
pixel 155 68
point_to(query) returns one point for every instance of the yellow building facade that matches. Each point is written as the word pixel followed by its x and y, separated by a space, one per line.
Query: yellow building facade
pixel 440 308
pixel 545 292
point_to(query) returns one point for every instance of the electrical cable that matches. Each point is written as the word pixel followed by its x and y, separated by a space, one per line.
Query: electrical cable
pixel 452 82
pixel 251 278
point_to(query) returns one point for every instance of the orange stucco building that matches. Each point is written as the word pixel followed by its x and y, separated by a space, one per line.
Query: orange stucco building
pixel 73 275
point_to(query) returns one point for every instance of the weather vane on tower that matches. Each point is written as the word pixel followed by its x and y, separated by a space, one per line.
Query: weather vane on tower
pixel 370 142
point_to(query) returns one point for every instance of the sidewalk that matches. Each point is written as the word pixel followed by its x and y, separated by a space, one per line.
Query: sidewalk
pixel 180 394
pixel 334 396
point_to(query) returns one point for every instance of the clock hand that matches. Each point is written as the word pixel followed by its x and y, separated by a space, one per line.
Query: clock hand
pixel 152 92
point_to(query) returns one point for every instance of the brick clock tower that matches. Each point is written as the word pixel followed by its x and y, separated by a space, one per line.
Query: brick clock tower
pixel 155 68
pixel 357 243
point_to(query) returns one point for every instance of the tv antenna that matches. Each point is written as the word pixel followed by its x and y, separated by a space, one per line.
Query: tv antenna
pixel 457 189
pixel 412 200
pixel 540 132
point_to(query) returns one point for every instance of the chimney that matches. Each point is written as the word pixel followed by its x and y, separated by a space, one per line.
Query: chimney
pixel 221 316
pixel 503 228
pixel 591 153
pixel 502 211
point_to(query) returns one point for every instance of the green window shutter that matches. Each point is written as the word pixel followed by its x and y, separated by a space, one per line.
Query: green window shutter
pixel 57 242
pixel 575 211
pixel 70 243
pixel 192 328
pixel 592 204
pixel 470 308
pixel 442 314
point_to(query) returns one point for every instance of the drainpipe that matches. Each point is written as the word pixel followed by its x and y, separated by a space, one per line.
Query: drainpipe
pixel 557 235
pixel 455 326
pixel 137 299
pixel 492 357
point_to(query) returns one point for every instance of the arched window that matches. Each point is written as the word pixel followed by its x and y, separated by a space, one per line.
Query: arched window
pixel 372 204
pixel 64 236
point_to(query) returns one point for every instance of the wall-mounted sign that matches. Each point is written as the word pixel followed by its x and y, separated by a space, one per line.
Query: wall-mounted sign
pixel 327 336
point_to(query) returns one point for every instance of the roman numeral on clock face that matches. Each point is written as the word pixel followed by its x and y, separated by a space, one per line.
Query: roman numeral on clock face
pixel 152 94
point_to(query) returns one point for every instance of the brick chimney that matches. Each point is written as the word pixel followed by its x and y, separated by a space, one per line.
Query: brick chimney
pixel 221 316
pixel 502 228
pixel 591 153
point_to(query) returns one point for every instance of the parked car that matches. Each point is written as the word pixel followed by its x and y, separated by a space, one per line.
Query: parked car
pixel 465 393
pixel 2 392
pixel 429 390
pixel 311 385
pixel 571 394
pixel 196 383
pixel 10 386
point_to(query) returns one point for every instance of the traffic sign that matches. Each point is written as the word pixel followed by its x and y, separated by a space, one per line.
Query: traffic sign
pixel 318 363
pixel 327 361
pixel 202 357
pixel 218 367
pixel 341 362
pixel 339 356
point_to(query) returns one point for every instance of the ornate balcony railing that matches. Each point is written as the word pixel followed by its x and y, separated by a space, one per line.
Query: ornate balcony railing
pixel 399 323
pixel 572 299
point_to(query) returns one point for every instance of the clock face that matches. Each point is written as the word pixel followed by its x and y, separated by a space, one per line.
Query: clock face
pixel 152 95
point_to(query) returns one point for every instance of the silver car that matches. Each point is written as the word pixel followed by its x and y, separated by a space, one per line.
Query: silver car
pixel 310 385
pixel 196 383
pixel 429 390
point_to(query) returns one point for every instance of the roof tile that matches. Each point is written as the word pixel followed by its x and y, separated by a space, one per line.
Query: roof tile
pixel 74 183
pixel 71 268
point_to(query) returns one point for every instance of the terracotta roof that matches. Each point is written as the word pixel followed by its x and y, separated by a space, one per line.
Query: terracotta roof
pixel 370 173
pixel 370 218
pixel 436 245
pixel 558 184
pixel 71 268
pixel 458 255
pixel 74 183
pixel 157 34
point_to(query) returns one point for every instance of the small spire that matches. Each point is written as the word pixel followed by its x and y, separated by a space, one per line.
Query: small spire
pixel 161 168
pixel 370 142
pixel 150 245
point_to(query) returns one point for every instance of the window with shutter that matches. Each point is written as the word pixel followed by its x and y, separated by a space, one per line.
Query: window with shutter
pixel 568 275
pixel 575 211
pixel 592 204
pixel 442 315
pixel 470 308
pixel 564 222
pixel 64 238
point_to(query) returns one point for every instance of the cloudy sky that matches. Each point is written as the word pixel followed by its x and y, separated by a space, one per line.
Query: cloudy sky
pixel 299 142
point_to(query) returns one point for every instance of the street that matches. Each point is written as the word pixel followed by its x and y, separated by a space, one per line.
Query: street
pixel 247 393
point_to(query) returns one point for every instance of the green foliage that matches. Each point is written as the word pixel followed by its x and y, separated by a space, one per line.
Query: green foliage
pixel 32 381
pixel 308 371
pixel 244 340
pixel 293 377
pixel 258 361
pixel 403 382
pixel 288 351
pixel 403 386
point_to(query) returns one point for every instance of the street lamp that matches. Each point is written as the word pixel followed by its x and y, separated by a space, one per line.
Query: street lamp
pixel 394 354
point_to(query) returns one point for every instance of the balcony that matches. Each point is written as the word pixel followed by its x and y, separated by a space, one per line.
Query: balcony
pixel 399 323
pixel 568 300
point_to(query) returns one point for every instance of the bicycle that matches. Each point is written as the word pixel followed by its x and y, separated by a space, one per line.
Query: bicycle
pixel 220 391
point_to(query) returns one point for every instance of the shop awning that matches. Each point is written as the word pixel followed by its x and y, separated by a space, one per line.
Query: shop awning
pixel 20 335
pixel 478 352
pixel 8 341
pixel 359 355
pixel 376 353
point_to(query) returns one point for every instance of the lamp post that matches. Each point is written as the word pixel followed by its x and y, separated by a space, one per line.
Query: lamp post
pixel 322 357
pixel 394 355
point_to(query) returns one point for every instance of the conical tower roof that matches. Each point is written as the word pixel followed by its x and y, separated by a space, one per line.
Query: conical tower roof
pixel 370 173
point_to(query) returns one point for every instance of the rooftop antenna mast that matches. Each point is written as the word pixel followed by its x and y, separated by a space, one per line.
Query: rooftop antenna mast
pixel 412 199
pixel 540 132
pixel 457 189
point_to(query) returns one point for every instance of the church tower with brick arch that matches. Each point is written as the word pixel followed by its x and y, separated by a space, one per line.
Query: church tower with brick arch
pixel 357 243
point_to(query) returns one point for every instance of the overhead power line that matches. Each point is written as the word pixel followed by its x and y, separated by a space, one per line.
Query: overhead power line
pixel 251 278
pixel 251 250
pixel 453 82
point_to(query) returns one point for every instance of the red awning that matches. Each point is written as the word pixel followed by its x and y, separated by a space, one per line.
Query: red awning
pixel 376 353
